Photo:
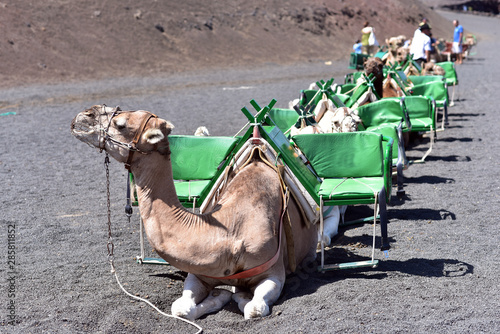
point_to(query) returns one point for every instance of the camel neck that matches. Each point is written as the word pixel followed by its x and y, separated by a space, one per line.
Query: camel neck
pixel 169 226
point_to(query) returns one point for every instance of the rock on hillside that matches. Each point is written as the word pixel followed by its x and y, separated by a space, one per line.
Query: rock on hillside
pixel 58 40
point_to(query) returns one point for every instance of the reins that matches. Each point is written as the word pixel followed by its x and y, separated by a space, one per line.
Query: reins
pixel 132 146
pixel 110 245
pixel 137 136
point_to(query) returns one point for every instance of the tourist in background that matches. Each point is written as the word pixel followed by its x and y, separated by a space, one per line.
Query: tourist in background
pixel 421 45
pixel 357 46
pixel 368 40
pixel 458 35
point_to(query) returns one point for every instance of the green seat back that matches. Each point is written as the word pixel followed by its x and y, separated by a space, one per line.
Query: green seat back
pixel 356 60
pixel 436 89
pixel 418 106
pixel 450 74
pixel 390 131
pixel 420 79
pixel 384 111
pixel 347 89
pixel 421 112
pixel 198 158
pixel 309 95
pixel 283 118
pixel 348 154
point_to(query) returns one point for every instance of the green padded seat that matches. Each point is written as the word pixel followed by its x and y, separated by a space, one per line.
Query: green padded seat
pixel 376 117
pixel 355 168
pixel 384 111
pixel 187 190
pixel 422 112
pixel 450 74
pixel 420 79
pixel 340 189
pixel 435 89
pixel 284 119
pixel 196 161
pixel 389 130
pixel 438 90
pixel 353 156
pixel 330 157
pixel 399 159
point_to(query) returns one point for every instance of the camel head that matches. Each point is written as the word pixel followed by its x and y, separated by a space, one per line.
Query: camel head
pixel 394 43
pixel 121 132
pixel 374 65
pixel 401 54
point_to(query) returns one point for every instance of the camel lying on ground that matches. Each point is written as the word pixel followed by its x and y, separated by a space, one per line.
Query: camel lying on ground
pixel 241 232
pixel 432 69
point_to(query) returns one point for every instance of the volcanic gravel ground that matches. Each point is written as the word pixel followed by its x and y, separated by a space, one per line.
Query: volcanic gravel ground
pixel 442 275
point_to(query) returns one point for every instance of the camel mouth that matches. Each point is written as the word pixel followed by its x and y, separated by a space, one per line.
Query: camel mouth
pixel 84 124
pixel 81 128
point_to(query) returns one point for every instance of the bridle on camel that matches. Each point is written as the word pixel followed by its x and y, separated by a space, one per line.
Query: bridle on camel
pixel 132 146
pixel 128 210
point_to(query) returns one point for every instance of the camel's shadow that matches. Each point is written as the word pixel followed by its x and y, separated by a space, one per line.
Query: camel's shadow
pixel 308 280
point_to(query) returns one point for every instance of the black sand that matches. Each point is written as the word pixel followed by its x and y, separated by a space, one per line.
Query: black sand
pixel 441 276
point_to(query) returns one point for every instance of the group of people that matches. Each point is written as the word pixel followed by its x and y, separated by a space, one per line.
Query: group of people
pixel 421 46
pixel 422 43
pixel 368 41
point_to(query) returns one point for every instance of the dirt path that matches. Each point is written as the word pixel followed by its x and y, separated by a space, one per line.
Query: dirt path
pixel 442 275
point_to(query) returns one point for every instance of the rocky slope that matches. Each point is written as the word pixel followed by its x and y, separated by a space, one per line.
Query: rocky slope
pixel 62 40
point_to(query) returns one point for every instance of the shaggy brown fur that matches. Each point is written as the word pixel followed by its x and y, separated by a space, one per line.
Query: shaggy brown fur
pixel 375 66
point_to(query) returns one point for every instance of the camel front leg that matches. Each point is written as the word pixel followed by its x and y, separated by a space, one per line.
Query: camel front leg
pixel 265 295
pixel 197 299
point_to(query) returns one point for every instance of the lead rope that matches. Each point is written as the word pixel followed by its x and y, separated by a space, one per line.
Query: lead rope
pixel 111 247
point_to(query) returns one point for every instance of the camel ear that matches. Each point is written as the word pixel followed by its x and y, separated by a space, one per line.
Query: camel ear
pixel 169 126
pixel 153 136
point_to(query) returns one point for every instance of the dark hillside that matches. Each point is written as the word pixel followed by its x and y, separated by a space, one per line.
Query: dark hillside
pixel 73 40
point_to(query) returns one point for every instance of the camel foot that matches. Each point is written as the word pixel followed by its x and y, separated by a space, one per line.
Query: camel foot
pixel 185 307
pixel 251 308
pixel 242 299
pixel 256 309
pixel 266 293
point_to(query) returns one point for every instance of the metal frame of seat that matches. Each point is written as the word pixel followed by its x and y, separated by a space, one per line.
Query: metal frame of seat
pixel 331 157
pixel 422 112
